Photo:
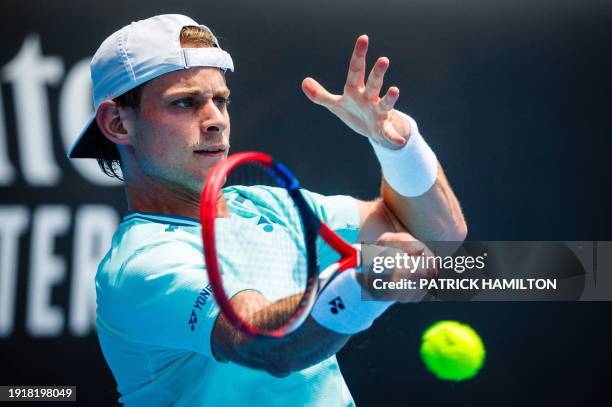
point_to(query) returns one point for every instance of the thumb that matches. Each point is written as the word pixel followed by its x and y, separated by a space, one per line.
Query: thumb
pixel 317 93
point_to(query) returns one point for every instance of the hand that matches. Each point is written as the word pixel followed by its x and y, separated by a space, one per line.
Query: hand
pixel 360 106
pixel 390 245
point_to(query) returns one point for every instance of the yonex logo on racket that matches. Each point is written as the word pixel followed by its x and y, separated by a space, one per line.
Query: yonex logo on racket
pixel 336 305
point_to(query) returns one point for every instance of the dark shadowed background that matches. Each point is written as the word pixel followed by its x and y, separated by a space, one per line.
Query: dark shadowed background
pixel 512 95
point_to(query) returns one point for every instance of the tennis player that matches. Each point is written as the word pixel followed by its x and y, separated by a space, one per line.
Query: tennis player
pixel 161 122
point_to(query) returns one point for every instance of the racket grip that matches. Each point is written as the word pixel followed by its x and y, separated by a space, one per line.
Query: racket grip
pixel 339 306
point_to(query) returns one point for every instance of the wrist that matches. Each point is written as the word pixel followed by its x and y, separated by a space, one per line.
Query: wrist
pixel 341 307
pixel 412 169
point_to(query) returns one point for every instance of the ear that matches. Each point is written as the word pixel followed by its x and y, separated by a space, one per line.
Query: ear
pixel 112 123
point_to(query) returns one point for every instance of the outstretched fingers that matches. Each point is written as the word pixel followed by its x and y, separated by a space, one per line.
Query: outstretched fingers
pixel 360 106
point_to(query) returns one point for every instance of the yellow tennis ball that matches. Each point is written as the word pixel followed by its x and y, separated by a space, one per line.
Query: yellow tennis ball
pixel 452 350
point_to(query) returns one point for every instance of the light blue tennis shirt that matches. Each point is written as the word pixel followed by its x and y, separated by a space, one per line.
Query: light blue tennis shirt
pixel 155 309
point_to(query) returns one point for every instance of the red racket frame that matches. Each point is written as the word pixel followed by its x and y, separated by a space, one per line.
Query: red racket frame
pixel 208 213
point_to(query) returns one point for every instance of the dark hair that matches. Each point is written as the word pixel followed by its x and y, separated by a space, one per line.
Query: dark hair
pixel 108 157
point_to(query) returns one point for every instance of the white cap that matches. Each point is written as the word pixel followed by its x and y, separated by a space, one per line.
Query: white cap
pixel 138 53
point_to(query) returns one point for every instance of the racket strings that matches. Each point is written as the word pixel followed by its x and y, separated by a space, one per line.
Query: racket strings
pixel 261 247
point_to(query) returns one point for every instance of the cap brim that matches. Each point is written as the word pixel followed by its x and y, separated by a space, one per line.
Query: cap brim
pixel 90 142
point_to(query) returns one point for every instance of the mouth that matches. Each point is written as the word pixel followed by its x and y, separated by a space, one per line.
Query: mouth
pixel 212 151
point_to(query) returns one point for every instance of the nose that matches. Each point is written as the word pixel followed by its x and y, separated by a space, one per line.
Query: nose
pixel 213 120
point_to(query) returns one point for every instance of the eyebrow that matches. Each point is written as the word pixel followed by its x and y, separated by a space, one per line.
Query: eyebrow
pixel 224 92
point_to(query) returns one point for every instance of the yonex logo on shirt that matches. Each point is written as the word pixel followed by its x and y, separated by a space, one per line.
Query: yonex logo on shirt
pixel 193 320
pixel 199 303
pixel 267 226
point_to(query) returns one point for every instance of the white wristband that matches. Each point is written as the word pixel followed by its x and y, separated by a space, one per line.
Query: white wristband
pixel 340 308
pixel 411 170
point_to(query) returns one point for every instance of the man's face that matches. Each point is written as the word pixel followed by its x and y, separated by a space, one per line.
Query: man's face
pixel 182 127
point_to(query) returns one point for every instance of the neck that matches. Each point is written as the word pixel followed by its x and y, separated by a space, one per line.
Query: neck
pixel 153 196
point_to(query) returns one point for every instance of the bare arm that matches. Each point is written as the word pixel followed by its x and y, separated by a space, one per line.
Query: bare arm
pixel 434 216
pixel 311 343
pixel 305 347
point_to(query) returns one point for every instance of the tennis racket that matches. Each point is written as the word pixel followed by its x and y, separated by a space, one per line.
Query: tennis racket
pixel 273 251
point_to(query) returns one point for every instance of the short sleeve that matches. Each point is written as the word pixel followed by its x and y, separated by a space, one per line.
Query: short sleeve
pixel 162 297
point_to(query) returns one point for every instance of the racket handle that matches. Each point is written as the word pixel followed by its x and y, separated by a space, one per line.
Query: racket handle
pixel 339 306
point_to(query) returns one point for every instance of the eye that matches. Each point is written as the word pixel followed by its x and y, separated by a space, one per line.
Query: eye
pixel 184 102
pixel 221 102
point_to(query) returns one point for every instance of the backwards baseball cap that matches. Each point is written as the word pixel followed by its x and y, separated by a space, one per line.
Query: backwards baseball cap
pixel 136 54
